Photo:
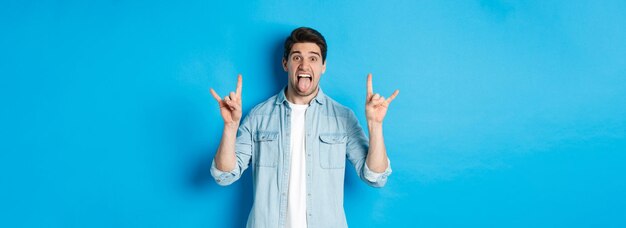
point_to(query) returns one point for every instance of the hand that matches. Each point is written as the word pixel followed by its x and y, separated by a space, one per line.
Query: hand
pixel 230 106
pixel 376 105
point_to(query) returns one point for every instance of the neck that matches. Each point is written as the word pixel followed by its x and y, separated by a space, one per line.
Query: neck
pixel 294 98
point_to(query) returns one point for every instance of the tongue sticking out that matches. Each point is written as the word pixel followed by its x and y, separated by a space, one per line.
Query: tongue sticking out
pixel 303 84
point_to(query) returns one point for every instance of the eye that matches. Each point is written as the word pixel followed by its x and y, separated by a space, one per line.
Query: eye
pixel 296 58
pixel 313 59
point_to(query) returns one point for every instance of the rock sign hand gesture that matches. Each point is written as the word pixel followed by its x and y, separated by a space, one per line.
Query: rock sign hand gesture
pixel 230 106
pixel 376 105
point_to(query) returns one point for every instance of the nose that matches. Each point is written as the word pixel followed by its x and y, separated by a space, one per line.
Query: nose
pixel 303 64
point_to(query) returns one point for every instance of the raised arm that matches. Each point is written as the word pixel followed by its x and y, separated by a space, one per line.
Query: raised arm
pixel 375 110
pixel 230 109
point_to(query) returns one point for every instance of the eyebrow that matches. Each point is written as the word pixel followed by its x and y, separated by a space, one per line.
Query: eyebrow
pixel 298 52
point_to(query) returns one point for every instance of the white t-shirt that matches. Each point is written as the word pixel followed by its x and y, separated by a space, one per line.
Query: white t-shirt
pixel 296 200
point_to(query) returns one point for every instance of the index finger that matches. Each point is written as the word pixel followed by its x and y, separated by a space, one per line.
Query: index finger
pixel 239 82
pixel 369 85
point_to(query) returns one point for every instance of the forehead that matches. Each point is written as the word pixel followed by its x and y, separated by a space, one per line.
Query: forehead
pixel 305 48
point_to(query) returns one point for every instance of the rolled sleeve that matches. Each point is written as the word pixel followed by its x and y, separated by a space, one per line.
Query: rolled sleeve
pixel 357 149
pixel 378 178
pixel 223 178
pixel 243 153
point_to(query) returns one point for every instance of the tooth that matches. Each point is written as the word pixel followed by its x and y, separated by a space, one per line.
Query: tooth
pixel 304 76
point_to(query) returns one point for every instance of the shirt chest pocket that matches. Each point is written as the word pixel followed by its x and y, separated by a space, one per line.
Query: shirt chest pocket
pixel 266 143
pixel 332 151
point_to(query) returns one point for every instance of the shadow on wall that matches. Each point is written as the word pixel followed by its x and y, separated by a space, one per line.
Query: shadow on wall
pixel 176 127
pixel 201 178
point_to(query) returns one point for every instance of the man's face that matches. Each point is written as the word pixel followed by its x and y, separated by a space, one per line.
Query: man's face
pixel 304 67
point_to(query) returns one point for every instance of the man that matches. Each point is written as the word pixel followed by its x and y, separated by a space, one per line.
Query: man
pixel 297 142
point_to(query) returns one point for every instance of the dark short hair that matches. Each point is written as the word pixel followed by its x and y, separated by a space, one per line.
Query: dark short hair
pixel 305 35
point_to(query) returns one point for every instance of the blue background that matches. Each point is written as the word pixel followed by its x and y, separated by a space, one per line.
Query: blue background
pixel 511 113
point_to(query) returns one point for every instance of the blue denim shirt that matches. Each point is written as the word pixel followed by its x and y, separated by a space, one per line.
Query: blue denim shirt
pixel 332 135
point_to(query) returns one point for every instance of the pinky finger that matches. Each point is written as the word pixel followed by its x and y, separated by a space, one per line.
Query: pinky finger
pixel 393 96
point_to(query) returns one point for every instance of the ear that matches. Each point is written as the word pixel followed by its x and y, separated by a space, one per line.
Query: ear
pixel 324 67
pixel 285 65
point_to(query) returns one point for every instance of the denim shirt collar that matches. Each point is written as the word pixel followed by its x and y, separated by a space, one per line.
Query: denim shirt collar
pixel 319 98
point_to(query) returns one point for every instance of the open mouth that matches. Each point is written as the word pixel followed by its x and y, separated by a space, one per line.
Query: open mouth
pixel 304 81
pixel 304 76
